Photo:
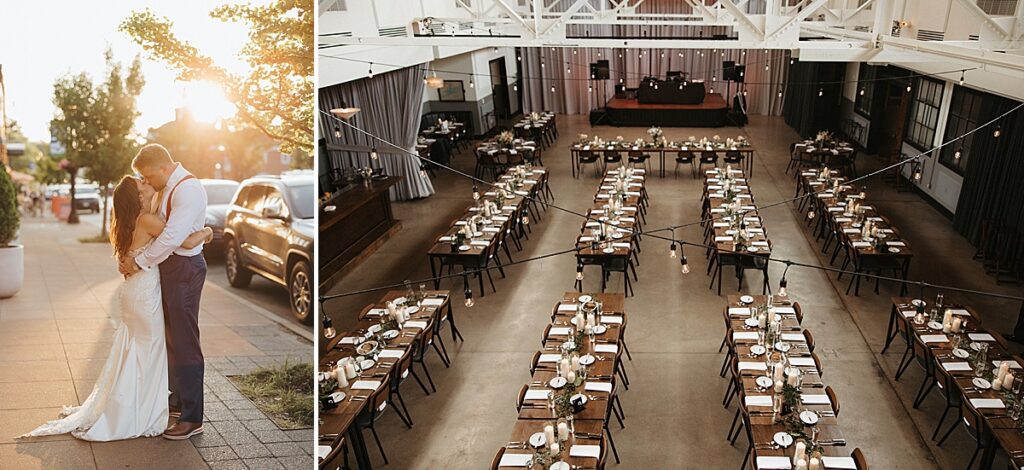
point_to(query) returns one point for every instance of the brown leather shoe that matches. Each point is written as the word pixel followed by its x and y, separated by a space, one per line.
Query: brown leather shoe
pixel 183 430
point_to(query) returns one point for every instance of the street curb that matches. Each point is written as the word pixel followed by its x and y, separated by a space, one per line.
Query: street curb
pixel 289 325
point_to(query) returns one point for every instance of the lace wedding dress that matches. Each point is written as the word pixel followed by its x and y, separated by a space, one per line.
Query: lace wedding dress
pixel 129 399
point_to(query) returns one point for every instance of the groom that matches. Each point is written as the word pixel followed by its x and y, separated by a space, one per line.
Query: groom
pixel 182 275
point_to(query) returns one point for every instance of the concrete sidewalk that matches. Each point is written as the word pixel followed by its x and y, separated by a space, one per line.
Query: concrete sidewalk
pixel 55 336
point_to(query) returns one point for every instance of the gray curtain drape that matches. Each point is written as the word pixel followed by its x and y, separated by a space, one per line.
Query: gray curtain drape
pixel 391 104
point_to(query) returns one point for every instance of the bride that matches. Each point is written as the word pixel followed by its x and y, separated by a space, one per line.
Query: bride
pixel 129 399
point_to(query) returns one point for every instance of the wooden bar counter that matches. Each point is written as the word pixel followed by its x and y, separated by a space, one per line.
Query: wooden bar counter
pixel 361 221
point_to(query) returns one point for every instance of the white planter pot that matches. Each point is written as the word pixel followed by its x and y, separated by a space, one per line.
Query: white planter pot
pixel 12 270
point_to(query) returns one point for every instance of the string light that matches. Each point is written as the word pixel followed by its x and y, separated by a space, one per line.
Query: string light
pixel 744 92
pixel 686 265
pixel 476 193
pixel 329 331
pixel 908 88
pixel 957 154
pixel 568 70
pixel 373 153
pixel 423 171
pixel 961 78
pixel 495 49
pixel 471 83
pixel 515 87
pixel 998 132
pixel 821 91
pixel 780 92
pixel 468 292
pixel 552 88
pixel 672 251
pixel 337 132
pixel 579 271
pixel 620 54
pixel 371 69
pixel 590 88
pixel 526 218
pixel 810 214
pixel 862 91
pixel 783 283
pixel 917 173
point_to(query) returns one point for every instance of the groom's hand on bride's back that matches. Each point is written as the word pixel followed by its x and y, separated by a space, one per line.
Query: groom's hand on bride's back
pixel 127 266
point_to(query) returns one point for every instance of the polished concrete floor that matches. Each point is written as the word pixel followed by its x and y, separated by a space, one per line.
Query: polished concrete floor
pixel 673 408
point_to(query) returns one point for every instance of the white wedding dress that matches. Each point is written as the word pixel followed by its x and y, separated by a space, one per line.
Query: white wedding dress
pixel 130 396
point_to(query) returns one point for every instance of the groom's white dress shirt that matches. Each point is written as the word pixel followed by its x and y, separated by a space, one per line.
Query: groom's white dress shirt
pixel 188 215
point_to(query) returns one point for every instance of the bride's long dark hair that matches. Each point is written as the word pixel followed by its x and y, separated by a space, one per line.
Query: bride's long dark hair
pixel 127 206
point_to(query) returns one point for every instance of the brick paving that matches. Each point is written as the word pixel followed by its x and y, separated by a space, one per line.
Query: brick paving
pixel 55 335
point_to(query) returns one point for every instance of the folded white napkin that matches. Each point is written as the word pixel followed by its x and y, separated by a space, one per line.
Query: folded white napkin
pixel 720 224
pixel 759 243
pixel 509 208
pixel 843 219
pixel 717 210
pixel 980 337
pixel 850 230
pixel 491 230
pixel 537 394
pixel 738 335
pixel 628 219
pixel 592 224
pixel 959 311
pixel 1013 364
pixel 954 366
pixel 445 239
pixel 616 319
pixel 620 245
pixel 739 311
pixel 480 243
pixel 550 358
pixel 590 451
pixel 934 338
pixel 603 196
pixel 515 460
pixel 349 340
pixel 896 243
pixel 500 218
pixel 752 366
pixel 598 387
pixel 987 403
pixel 392 353
pixel 567 307
pixel 723 239
pixel 433 302
pixel 460 222
pixel 366 385
pixel 814 399
pixel 377 312
pixel 559 331
pixel 606 348
pixel 757 400
pixel 908 313
pixel 323 451
pixel 802 361
pixel 839 463
pixel 795 337
pixel 861 244
pixel 415 324
pixel 773 462
pixel 789 310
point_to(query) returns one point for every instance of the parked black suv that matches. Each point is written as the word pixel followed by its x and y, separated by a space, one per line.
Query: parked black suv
pixel 268 230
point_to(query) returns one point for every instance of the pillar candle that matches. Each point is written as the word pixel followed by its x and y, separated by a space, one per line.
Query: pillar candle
pixel 563 431
pixel 801 465
pixel 575 362
pixel 571 377
pixel 814 464
pixel 1004 367
pixel 591 321
pixel 1008 380
pixel 798 452
pixel 565 367
pixel 391 308
pixel 947 317
pixel 340 375
pixel 791 380
pixel 956 325
pixel 997 384
pixel 555 448
pixel 350 370
pixel 549 434
pixel 778 386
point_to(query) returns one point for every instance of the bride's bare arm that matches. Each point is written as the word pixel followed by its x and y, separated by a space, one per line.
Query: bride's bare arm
pixel 153 226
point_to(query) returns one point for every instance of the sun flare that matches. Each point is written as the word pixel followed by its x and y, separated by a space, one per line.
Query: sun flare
pixel 206 101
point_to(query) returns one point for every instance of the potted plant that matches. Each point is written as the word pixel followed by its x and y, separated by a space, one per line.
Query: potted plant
pixel 12 256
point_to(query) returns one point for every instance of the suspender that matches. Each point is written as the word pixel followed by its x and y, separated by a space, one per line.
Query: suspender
pixel 170 196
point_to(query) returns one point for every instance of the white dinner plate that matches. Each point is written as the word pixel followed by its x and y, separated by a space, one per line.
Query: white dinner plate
pixel 600 329
pixel 374 328
pixel 752 249
pixel 478 234
pixel 412 310
pixel 783 439
pixel 961 353
pixel 747 299
pixel 585 298
pixel 782 346
pixel 587 360
pixel 809 417
pixel 917 303
pixel 608 250
pixel 463 247
pixel 366 364
pixel 559 466
pixel 893 249
pixel 579 397
pixel 981 383
pixel 557 382
pixel 757 350
pixel 764 382
pixel 976 346
pixel 751 322
pixel 537 440
pixel 935 325
pixel 390 334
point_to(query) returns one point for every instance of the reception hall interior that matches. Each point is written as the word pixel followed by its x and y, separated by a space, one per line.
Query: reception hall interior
pixel 703 234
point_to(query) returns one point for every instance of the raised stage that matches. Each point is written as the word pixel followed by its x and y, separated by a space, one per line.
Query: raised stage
pixel 629 112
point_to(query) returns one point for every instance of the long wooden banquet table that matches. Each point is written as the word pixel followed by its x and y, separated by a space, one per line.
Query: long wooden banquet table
pixel 624 147
pixel 607 238
pixel 952 359
pixel 882 249
pixel 825 152
pixel 483 248
pixel 586 447
pixel 386 354
pixel 748 363
pixel 539 126
pixel 733 227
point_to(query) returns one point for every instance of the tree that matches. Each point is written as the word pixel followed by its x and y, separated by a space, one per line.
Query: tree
pixel 95 124
pixel 48 172
pixel 276 95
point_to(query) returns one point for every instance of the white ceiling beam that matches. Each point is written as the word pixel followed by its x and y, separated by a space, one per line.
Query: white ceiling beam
pixel 743 19
pixel 797 18
pixel 527 28
pixel 509 41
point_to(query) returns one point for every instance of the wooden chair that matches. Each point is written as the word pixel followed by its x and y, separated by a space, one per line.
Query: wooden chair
pixel 427 339
pixel 809 338
pixel 799 312
pixel 338 457
pixel 376 403
pixel 817 364
pixel 859 460
pixel 522 398
pixel 399 374
pixel 833 400
pixel 971 422
pixel 497 458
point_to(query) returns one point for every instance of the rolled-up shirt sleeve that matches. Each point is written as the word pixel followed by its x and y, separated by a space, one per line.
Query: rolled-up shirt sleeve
pixel 187 204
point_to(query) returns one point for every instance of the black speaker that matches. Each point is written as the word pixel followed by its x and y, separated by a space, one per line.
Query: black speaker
pixel 739 72
pixel 599 70
pixel 673 74
pixel 728 70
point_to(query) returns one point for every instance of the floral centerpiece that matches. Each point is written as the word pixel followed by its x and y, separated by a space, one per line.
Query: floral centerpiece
pixel 655 133
pixel 505 138
pixel 535 116
pixel 823 136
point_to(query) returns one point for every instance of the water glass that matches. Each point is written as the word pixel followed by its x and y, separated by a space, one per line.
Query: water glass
pixel 1018 381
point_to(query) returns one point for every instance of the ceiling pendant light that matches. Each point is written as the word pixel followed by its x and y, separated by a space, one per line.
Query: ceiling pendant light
pixel 568 70
pixel 471 83
pixel 766 66
pixel 672 251
pixel 579 271
pixel 620 80
pixel 663 55
pixel 329 331
pixel 599 53
pixel 590 88
pixel 714 78
pixel 961 78
pixel 373 154
pixel 574 52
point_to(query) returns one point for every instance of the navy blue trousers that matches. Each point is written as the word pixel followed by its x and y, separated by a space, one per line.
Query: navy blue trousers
pixel 181 284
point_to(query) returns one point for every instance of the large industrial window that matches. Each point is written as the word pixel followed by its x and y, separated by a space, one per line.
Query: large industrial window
pixel 965 113
pixel 865 90
pixel 924 113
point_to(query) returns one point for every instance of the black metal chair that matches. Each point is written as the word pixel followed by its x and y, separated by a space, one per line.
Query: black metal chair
pixel 685 157
pixel 588 157
pixel 708 157
pixel 637 157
